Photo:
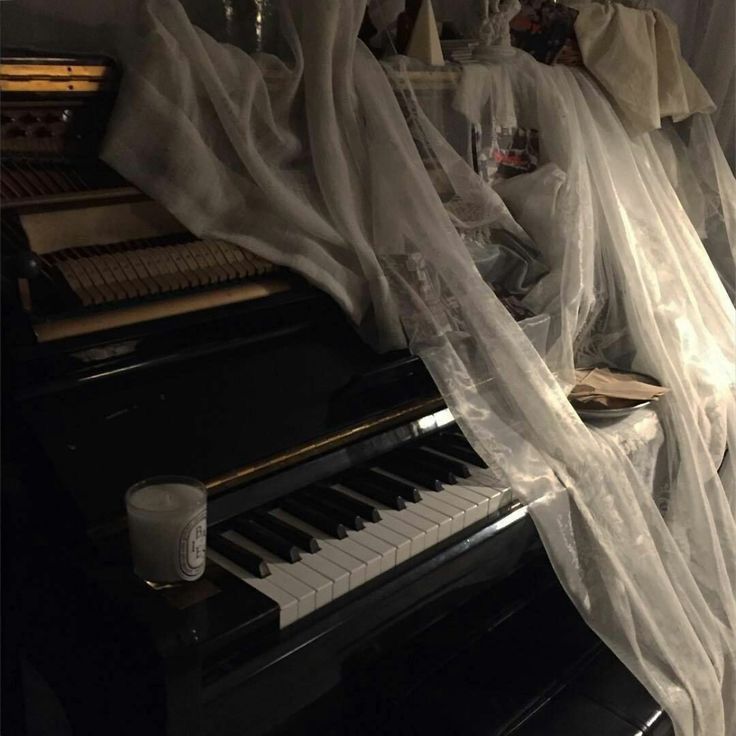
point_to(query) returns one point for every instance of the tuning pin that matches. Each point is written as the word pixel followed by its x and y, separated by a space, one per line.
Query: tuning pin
pixel 29 266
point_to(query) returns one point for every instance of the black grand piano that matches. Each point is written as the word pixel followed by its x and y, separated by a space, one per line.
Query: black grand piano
pixel 366 572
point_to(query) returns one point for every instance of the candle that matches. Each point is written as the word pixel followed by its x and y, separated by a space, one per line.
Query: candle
pixel 167 524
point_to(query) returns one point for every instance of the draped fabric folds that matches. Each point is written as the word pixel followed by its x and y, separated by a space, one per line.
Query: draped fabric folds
pixel 708 33
pixel 308 161
pixel 635 55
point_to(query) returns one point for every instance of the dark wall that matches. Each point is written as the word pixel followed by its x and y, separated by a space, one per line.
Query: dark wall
pixel 250 24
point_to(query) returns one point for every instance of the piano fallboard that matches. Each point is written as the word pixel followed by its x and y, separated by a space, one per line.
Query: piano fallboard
pixel 210 399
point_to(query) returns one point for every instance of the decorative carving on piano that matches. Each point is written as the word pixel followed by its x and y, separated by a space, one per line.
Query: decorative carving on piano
pixel 40 125
pixel 50 127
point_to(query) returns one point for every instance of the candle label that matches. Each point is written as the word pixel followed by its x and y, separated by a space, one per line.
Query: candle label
pixel 193 547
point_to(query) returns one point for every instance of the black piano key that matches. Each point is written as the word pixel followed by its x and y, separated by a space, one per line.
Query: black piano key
pixel 410 470
pixel 448 445
pixel 345 516
pixel 456 436
pixel 375 489
pixel 404 489
pixel 269 540
pixel 300 538
pixel 314 517
pixel 362 508
pixel 243 557
pixel 457 439
pixel 455 467
pixel 428 463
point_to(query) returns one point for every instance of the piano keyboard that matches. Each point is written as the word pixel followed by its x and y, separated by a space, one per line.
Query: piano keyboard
pixel 326 540
pixel 118 272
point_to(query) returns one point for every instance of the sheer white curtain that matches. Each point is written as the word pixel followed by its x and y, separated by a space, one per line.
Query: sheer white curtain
pixel 708 34
pixel 310 162
pixel 634 259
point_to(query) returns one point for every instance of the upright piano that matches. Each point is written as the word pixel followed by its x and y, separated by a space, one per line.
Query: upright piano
pixel 367 573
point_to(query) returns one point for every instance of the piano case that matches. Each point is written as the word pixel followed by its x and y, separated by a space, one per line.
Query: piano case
pixel 132 348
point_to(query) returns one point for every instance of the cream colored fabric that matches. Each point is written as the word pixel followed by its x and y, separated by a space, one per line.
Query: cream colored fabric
pixel 680 92
pixel 635 55
pixel 708 34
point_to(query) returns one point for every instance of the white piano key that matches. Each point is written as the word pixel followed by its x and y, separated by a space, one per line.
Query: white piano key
pixel 430 528
pixel 507 496
pixel 456 515
pixel 494 495
pixel 303 593
pixel 487 482
pixel 345 564
pixel 288 604
pixel 340 578
pixel 355 567
pixel 380 546
pixel 401 544
pixel 389 549
pixel 321 584
pixel 391 519
pixel 477 498
pixel 443 521
pixel 371 559
pixel 471 512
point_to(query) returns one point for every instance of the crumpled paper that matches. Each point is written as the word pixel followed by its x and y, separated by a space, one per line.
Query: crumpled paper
pixel 604 388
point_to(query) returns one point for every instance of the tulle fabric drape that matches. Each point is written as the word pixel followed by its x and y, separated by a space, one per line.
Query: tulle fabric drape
pixel 631 284
pixel 308 161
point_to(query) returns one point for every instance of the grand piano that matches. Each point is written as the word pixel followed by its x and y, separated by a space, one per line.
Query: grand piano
pixel 367 573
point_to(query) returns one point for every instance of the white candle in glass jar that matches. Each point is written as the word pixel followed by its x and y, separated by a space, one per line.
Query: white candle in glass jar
pixel 167 524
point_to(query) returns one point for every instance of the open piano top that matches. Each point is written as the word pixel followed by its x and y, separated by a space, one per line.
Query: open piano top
pixel 89 251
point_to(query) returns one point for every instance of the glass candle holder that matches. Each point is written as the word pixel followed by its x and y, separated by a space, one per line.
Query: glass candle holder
pixel 167 524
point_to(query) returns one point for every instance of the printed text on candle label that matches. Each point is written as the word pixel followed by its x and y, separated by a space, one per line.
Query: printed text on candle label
pixel 193 546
